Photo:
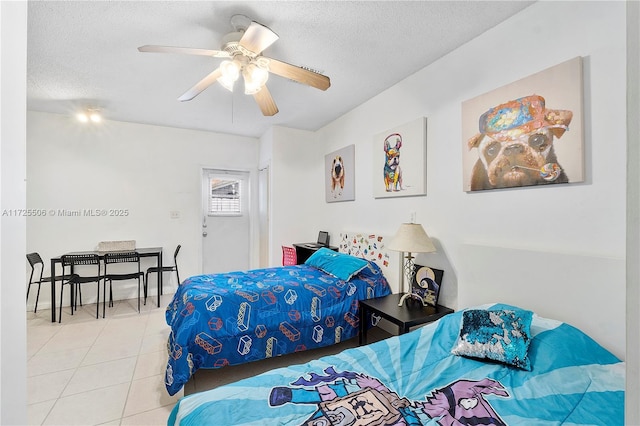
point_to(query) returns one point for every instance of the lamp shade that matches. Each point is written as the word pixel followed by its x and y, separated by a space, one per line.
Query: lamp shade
pixel 412 238
pixel 230 71
pixel 255 76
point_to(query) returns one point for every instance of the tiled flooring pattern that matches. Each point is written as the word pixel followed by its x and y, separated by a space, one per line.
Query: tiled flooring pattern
pixel 88 371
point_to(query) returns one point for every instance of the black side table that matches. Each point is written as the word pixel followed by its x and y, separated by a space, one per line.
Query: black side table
pixel 412 313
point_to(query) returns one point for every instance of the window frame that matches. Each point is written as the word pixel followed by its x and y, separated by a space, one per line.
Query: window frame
pixel 236 199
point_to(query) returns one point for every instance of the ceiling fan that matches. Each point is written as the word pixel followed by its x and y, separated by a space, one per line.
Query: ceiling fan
pixel 242 51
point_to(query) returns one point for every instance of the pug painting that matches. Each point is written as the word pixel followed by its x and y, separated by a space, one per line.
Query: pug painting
pixel 337 176
pixel 515 145
pixel 392 170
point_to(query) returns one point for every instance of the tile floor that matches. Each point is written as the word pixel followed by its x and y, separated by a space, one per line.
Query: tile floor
pixel 88 371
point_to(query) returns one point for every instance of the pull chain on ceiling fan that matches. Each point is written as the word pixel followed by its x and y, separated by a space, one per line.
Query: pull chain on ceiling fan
pixel 242 51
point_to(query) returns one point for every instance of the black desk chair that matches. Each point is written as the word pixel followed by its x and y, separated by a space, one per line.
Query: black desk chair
pixel 120 257
pixel 35 260
pixel 76 281
pixel 157 270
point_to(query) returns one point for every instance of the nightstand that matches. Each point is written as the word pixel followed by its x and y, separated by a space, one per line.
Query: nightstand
pixel 412 313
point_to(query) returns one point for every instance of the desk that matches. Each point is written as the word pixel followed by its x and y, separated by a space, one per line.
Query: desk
pixel 143 252
pixel 303 251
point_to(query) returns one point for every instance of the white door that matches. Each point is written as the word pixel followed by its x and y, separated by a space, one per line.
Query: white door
pixel 225 221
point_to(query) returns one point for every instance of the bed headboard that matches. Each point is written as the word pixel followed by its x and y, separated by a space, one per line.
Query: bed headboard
pixel 372 247
pixel 586 291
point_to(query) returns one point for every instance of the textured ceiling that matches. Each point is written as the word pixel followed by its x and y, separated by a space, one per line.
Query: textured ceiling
pixel 84 53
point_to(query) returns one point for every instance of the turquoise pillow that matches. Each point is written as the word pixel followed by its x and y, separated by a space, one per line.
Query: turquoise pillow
pixel 339 265
pixel 501 335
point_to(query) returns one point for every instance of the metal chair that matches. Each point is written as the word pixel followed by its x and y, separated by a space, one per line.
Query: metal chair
pixel 158 270
pixel 35 260
pixel 76 280
pixel 120 257
pixel 289 256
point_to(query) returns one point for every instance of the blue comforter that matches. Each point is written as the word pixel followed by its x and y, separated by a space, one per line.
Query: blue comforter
pixel 414 379
pixel 233 318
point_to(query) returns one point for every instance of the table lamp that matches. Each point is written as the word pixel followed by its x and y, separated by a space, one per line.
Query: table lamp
pixel 410 238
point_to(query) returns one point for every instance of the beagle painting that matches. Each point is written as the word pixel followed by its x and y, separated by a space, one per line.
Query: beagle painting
pixel 337 176
pixel 339 173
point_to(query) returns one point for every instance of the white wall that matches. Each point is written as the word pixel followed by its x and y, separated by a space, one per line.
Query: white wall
pixel 147 170
pixel 632 395
pixel 587 221
pixel 13 86
pixel 293 154
pixel 584 221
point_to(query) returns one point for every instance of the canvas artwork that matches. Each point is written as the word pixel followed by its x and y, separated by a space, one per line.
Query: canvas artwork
pixel 526 133
pixel 340 175
pixel 426 284
pixel 400 159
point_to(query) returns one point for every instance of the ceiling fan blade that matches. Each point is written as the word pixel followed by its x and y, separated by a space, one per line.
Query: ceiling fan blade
pixel 265 102
pixel 299 74
pixel 257 38
pixel 184 50
pixel 200 86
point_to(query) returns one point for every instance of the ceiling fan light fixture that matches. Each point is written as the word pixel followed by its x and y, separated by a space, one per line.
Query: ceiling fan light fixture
pixel 230 72
pixel 255 77
pixel 243 50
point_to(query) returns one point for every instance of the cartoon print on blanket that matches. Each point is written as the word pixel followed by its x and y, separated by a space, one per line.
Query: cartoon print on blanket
pixel 355 399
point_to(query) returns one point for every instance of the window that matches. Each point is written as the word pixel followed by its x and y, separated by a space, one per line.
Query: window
pixel 224 197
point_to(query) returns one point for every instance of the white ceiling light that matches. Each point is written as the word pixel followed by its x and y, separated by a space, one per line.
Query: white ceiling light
pixel 255 77
pixel 89 115
pixel 230 72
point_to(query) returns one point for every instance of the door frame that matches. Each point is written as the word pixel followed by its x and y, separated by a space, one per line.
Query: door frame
pixel 264 235
pixel 253 213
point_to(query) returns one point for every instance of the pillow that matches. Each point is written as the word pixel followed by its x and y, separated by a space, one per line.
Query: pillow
pixel 372 271
pixel 500 334
pixel 339 265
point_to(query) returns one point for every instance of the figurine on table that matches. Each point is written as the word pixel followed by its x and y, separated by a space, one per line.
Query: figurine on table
pixel 425 286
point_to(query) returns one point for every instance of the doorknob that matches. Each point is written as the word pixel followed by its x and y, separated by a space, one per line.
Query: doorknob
pixel 204 233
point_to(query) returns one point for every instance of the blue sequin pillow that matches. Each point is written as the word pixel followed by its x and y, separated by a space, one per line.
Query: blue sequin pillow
pixel 501 335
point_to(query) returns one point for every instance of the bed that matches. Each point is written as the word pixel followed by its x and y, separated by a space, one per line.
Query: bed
pixel 510 366
pixel 238 317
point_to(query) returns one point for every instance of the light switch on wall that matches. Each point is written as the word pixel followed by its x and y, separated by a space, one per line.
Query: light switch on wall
pixel 174 214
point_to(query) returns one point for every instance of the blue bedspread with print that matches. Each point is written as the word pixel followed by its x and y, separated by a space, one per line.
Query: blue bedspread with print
pixel 414 379
pixel 238 317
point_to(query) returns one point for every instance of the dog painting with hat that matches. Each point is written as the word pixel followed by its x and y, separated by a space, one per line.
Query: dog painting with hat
pixel 515 145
